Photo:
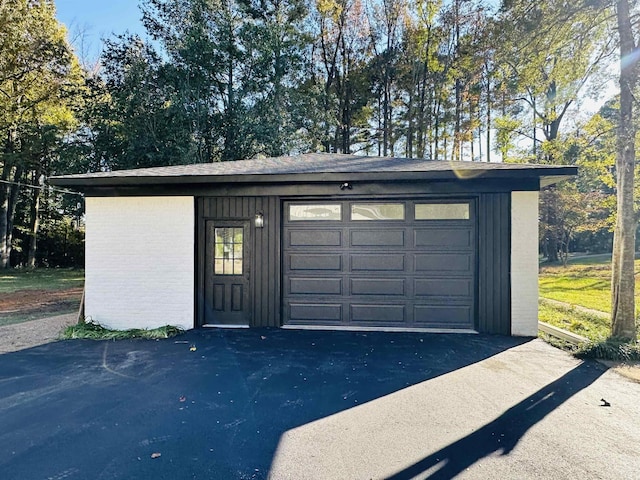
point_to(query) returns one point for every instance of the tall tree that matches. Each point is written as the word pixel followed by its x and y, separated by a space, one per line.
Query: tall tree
pixel 623 271
pixel 37 73
pixel 208 53
pixel 277 32
pixel 387 21
pixel 420 66
pixel 135 114
pixel 342 51
pixel 548 52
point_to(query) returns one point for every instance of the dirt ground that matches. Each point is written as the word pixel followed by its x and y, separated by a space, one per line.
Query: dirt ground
pixel 39 316
pixel 34 301
pixel 36 332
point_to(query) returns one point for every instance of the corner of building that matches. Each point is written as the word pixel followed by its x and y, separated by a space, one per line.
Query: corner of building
pixel 140 262
pixel 524 263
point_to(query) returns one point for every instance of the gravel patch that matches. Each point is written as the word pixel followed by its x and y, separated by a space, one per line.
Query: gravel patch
pixel 24 335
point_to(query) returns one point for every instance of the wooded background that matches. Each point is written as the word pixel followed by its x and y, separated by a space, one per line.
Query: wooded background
pixel 219 80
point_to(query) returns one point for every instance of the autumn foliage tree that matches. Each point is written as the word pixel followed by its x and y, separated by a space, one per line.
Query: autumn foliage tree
pixel 39 80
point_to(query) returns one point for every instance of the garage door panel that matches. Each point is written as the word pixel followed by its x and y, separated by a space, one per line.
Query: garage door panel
pixel 316 312
pixel 315 238
pixel 443 238
pixel 315 286
pixel 377 238
pixel 443 262
pixel 377 262
pixel 363 313
pixel 443 316
pixel 299 261
pixel 443 287
pixel 400 272
pixel 377 286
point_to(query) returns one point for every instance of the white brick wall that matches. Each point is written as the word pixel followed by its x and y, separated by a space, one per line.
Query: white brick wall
pixel 140 261
pixel 524 263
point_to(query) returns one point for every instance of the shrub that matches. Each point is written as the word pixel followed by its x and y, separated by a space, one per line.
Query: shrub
pixel 94 331
pixel 610 349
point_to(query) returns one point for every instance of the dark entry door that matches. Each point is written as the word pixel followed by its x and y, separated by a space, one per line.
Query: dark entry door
pixel 227 299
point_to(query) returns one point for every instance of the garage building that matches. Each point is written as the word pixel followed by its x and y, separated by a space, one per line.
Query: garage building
pixel 316 241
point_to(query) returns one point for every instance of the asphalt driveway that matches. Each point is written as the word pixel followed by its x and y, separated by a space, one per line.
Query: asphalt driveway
pixel 320 405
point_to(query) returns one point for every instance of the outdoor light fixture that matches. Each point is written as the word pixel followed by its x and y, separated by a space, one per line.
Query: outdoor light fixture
pixel 259 220
pixel 346 185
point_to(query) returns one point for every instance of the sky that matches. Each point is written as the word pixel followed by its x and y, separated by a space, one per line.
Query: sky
pixel 88 21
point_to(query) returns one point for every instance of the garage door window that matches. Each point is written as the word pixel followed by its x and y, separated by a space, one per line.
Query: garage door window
pixel 377 211
pixel 314 212
pixel 442 211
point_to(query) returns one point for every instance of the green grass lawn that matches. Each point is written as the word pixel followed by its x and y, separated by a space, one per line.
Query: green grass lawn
pixel 583 282
pixel 40 279
pixel 591 326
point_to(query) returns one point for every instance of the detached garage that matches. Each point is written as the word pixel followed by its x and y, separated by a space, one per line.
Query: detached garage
pixel 316 241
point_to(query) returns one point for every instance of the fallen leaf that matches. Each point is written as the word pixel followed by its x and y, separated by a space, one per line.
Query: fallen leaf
pixel 156 455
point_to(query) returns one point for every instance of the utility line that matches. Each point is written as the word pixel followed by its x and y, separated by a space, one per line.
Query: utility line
pixel 43 187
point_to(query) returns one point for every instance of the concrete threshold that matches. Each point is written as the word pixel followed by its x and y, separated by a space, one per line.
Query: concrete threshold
pixel 225 326
pixel 377 329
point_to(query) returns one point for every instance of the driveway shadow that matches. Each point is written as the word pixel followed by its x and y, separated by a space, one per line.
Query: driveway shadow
pixel 501 435
pixel 214 403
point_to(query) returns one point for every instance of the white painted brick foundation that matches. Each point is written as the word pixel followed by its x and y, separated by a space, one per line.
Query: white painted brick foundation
pixel 524 263
pixel 140 261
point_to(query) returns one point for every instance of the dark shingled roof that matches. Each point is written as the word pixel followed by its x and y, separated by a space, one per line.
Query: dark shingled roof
pixel 315 167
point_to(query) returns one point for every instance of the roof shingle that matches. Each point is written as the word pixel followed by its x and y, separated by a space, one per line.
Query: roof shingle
pixel 307 164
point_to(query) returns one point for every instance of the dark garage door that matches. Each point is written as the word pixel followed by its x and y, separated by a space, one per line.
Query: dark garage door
pixel 379 263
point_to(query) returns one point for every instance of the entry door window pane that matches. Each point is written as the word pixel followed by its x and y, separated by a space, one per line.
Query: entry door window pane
pixel 377 211
pixel 442 211
pixel 315 212
pixel 228 251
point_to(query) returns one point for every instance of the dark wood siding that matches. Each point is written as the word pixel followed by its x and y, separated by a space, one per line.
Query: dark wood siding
pixel 264 284
pixel 493 296
pixel 494 247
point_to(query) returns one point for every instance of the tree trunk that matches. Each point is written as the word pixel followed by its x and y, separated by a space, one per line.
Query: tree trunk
pixel 622 277
pixel 230 134
pixel 458 88
pixel 5 193
pixel 35 223
pixel 4 217
pixel 488 117
pixel 535 140
pixel 420 134
pixel 409 147
pixel 552 250
pixel 14 192
pixel 436 134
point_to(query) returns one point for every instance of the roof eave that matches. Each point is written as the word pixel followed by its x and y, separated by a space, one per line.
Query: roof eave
pixel 547 176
